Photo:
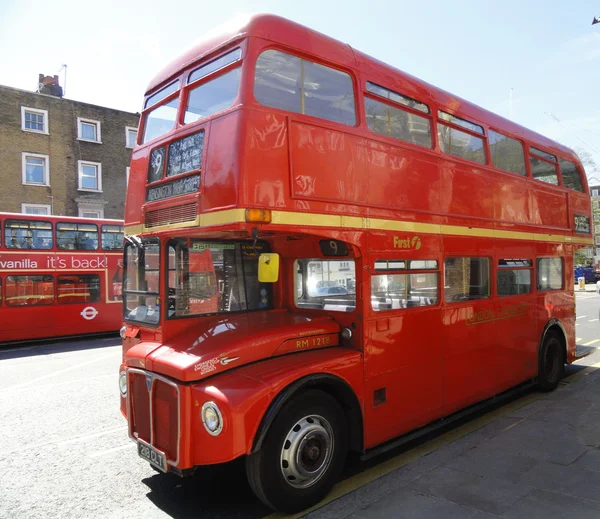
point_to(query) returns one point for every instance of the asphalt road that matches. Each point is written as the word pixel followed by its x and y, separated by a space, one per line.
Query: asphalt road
pixel 64 450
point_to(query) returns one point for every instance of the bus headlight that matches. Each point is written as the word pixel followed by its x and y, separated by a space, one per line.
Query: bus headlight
pixel 212 418
pixel 123 383
pixel 122 331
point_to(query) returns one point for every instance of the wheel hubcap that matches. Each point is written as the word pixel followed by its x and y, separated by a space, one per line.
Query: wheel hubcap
pixel 307 451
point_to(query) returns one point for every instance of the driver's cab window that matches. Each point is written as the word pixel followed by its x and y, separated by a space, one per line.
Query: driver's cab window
pixel 466 279
pixel 325 284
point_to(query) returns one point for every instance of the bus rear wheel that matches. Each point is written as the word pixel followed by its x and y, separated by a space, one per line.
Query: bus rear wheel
pixel 551 363
pixel 303 453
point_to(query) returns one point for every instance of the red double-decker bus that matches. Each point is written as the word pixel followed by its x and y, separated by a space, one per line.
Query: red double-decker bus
pixel 59 276
pixel 383 254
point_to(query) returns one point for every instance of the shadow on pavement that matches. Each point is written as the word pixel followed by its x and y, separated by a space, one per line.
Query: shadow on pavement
pixel 50 346
pixel 212 492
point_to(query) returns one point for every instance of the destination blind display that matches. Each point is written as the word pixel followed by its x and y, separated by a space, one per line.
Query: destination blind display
pixel 582 224
pixel 185 154
pixel 179 187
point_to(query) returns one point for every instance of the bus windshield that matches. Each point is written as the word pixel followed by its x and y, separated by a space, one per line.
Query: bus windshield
pixel 214 277
pixel 141 288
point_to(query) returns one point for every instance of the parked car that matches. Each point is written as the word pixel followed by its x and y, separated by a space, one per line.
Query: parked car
pixel 331 291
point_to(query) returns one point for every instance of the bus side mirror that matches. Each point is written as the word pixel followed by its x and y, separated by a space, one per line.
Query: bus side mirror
pixel 268 267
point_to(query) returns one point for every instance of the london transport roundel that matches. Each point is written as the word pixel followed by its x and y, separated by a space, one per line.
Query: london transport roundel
pixel 89 312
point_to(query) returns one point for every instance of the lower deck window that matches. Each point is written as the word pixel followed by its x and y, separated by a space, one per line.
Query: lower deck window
pixel 513 277
pixel 466 279
pixel 29 290
pixel 78 288
pixel 325 284
pixel 549 273
pixel 394 291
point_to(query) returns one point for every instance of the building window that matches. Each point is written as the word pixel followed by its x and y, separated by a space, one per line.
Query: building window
pixel 90 211
pixel 130 136
pixel 88 130
pixel 35 169
pixel 33 120
pixel 595 192
pixel 35 209
pixel 90 176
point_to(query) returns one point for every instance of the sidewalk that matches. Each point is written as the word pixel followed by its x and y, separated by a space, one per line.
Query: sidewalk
pixel 541 460
pixel 589 287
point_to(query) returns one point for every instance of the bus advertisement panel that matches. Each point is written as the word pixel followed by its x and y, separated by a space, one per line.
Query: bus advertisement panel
pixel 63 274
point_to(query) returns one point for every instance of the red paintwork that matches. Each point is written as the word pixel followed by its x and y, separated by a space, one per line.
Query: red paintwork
pixel 198 353
pixel 64 316
pixel 431 360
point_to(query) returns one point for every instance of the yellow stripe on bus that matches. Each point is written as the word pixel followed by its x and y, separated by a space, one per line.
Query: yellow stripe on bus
pixel 231 216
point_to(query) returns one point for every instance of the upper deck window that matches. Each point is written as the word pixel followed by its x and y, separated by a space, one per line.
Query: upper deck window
pixel 475 128
pixel 112 237
pixel 160 120
pixel 77 236
pixel 396 97
pixel 213 96
pixel 541 168
pixel 507 153
pixel 458 143
pixel 298 85
pixel 396 122
pixel 215 65
pixel 162 94
pixel 543 154
pixel 570 176
pixel 27 234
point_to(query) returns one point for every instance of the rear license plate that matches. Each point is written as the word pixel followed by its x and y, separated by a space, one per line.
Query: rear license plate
pixel 150 454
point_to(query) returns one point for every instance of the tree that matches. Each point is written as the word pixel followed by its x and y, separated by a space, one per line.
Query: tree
pixel 591 168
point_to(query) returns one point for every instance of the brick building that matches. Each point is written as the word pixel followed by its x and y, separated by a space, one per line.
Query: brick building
pixel 63 157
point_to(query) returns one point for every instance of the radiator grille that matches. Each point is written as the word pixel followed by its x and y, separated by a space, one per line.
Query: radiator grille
pixel 140 407
pixel 169 215
pixel 154 412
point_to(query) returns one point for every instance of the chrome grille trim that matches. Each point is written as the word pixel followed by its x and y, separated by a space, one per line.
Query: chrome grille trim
pixel 155 377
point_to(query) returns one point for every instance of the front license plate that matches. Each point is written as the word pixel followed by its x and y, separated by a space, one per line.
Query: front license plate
pixel 150 454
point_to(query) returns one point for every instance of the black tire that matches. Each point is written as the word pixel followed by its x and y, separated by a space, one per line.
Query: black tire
pixel 551 362
pixel 267 468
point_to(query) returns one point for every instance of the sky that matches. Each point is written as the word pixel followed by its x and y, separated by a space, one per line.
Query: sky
pixel 546 51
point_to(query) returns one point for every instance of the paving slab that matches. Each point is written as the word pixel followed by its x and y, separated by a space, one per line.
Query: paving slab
pixel 482 493
pixel 572 480
pixel 486 462
pixel 409 504
pixel 589 461
pixel 541 504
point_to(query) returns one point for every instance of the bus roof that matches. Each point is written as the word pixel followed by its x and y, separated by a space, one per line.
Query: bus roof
pixel 54 217
pixel 295 35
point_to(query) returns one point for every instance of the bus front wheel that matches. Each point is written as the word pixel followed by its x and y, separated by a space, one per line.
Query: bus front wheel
pixel 551 364
pixel 302 455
